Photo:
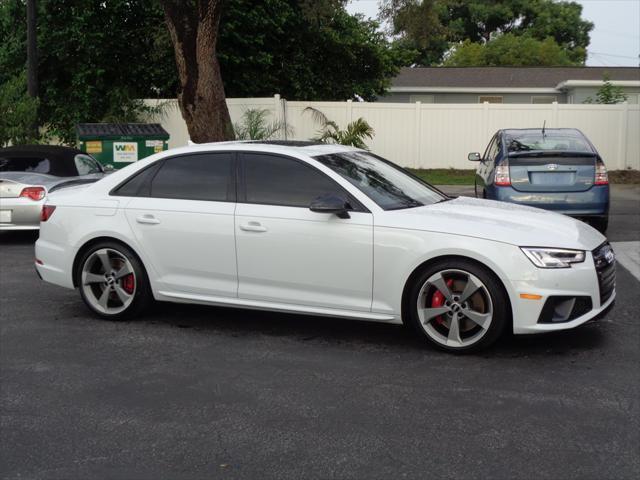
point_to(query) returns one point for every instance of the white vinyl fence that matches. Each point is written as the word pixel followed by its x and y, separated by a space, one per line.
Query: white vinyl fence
pixel 440 135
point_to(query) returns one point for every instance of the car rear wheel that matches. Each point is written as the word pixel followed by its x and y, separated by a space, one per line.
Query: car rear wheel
pixel 458 306
pixel 113 282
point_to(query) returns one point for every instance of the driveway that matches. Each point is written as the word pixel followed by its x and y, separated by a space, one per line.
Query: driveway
pixel 197 392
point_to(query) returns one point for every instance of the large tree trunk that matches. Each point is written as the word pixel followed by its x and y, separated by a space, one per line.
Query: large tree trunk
pixel 193 26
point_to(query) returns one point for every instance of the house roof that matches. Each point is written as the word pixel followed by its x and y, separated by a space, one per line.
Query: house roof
pixel 507 77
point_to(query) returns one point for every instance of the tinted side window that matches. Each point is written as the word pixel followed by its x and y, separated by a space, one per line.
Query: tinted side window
pixel 489 153
pixel 274 180
pixel 206 176
pixel 493 154
pixel 140 184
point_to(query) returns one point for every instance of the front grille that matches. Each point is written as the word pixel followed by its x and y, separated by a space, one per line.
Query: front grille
pixel 605 262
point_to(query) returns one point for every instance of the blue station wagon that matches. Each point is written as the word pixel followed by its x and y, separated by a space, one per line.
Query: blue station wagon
pixel 555 169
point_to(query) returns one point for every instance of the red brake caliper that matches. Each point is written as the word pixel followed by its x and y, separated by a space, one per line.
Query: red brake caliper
pixel 437 300
pixel 128 283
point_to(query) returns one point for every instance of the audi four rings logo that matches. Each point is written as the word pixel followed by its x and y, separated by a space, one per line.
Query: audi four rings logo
pixel 609 255
pixel 552 166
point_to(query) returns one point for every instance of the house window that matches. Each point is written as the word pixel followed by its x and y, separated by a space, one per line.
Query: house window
pixel 543 99
pixel 490 99
pixel 421 98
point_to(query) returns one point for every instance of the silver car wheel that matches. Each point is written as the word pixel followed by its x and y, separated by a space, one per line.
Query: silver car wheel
pixel 455 308
pixel 108 281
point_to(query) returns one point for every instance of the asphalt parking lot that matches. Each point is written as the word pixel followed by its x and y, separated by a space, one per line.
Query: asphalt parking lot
pixel 198 392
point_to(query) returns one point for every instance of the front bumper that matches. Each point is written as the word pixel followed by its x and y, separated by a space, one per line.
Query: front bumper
pixel 593 202
pixel 580 281
pixel 20 214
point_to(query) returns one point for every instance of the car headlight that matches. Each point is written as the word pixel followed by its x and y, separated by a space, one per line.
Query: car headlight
pixel 553 257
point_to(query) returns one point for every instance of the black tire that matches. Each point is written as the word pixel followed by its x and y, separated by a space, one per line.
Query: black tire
pixel 499 300
pixel 142 295
pixel 601 224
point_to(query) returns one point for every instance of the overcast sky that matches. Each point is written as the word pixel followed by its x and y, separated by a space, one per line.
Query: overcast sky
pixel 615 39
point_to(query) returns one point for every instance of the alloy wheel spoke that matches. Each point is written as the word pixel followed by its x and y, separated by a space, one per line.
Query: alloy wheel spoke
pixel 124 270
pixel 454 331
pixel 481 319
pixel 122 295
pixel 470 288
pixel 429 313
pixel 93 278
pixel 441 285
pixel 104 259
pixel 104 298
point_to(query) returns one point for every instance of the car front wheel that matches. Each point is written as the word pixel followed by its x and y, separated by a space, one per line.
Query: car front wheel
pixel 458 306
pixel 113 282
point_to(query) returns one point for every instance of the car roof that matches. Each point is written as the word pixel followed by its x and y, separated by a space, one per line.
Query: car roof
pixel 54 152
pixel 310 148
pixel 568 132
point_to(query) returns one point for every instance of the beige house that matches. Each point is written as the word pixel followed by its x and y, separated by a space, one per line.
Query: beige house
pixel 508 84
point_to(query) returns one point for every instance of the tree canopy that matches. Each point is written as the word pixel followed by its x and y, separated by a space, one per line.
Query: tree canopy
pixel 431 26
pixel 509 49
pixel 96 58
pixel 303 50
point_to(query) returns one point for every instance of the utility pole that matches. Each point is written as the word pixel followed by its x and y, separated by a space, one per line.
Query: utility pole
pixel 32 50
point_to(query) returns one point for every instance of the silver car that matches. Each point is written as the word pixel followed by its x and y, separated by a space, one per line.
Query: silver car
pixel 28 173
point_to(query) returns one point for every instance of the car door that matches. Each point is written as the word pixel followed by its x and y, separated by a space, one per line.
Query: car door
pixel 182 216
pixel 289 254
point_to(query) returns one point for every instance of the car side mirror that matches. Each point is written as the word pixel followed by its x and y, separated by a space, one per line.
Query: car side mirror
pixel 108 168
pixel 474 157
pixel 330 203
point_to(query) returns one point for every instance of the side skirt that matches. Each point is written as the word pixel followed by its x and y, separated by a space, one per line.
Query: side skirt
pixel 181 297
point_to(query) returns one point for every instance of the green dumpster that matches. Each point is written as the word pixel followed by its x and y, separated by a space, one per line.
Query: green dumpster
pixel 119 144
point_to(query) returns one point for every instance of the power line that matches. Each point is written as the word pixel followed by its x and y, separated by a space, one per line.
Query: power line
pixel 611 55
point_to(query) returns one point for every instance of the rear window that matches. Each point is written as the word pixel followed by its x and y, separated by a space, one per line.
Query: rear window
pixel 39 164
pixel 536 141
pixel 208 176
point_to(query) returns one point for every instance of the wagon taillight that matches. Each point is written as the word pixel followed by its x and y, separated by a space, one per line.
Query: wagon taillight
pixel 502 178
pixel 602 177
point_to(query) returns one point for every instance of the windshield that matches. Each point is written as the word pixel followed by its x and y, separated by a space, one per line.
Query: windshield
pixel 86 165
pixel 383 182
pixel 556 141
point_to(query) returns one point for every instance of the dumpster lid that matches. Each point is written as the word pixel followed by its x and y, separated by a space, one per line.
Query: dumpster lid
pixel 114 130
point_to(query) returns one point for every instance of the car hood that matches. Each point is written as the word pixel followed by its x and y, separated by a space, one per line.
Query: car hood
pixel 498 221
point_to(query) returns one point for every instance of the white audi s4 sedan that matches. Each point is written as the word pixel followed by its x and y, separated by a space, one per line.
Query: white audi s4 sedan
pixel 322 230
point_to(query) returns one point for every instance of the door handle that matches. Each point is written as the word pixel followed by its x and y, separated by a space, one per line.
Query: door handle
pixel 148 219
pixel 252 227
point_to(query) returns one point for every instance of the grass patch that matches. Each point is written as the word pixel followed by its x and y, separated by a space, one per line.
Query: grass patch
pixel 624 176
pixel 454 176
pixel 445 176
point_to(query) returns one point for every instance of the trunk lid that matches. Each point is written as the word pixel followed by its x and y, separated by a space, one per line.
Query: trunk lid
pixel 10 189
pixel 551 171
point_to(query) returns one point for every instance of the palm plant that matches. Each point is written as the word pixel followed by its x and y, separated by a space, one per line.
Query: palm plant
pixel 330 132
pixel 255 125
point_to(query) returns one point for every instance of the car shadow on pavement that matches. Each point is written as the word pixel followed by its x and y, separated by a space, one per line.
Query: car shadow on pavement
pixel 325 330
pixel 18 237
